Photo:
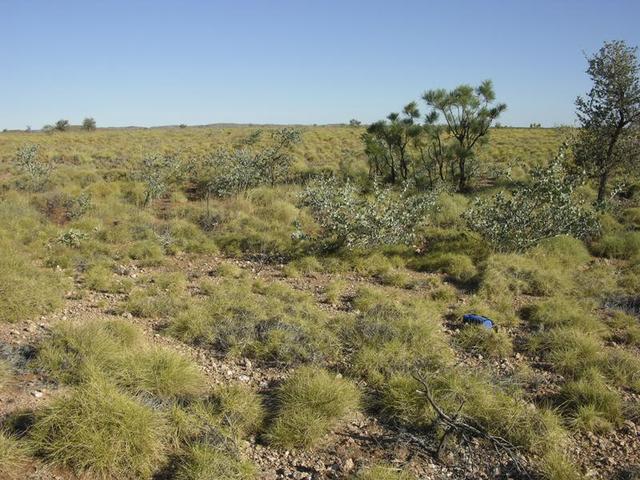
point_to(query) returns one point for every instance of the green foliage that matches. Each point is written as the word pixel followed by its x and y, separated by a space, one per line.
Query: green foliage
pixel 311 402
pixel 240 409
pixel 387 145
pixel 555 465
pixel 89 124
pixel 31 163
pixel 232 171
pixel 468 113
pixel 97 430
pixel 205 462
pixel 567 312
pixel 61 125
pixel 544 208
pixel 5 373
pixel 158 172
pixel 608 141
pixel 101 278
pixel 570 350
pixel 163 296
pixel 350 219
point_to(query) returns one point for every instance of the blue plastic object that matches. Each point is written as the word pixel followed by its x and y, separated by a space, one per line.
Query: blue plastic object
pixel 478 320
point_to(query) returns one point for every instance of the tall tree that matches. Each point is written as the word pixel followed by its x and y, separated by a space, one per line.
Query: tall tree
pixel 468 113
pixel 89 124
pixel 609 114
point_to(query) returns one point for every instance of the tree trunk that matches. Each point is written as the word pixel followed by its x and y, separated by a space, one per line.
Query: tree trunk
pixel 462 180
pixel 602 186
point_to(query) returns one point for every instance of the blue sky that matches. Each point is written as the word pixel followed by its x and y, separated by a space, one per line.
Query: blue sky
pixel 134 62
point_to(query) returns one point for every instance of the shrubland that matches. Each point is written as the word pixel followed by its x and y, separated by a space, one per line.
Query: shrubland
pixel 338 263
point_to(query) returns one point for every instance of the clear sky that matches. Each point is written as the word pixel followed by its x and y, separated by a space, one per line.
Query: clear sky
pixel 134 62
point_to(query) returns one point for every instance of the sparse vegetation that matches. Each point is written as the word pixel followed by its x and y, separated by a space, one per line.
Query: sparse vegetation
pixel 200 302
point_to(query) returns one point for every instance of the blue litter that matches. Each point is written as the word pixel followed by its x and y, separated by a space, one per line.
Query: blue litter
pixel 478 320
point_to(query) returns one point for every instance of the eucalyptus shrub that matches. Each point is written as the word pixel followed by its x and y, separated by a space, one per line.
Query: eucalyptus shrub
pixel 233 171
pixel 352 219
pixel 157 172
pixel 546 207
pixel 33 166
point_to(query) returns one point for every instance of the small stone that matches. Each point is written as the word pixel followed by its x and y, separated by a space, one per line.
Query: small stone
pixel 37 393
pixel 348 465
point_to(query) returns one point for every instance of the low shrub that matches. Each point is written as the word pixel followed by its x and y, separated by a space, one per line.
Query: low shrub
pixel 555 465
pixel 311 402
pixel 631 218
pixel 622 367
pixel 350 219
pixel 529 275
pixel 146 252
pixel 304 266
pixel 164 296
pixel 544 208
pixel 5 373
pixel 97 430
pixel 570 251
pixel 101 278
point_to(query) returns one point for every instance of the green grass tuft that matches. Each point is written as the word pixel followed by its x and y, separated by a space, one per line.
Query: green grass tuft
pixel 487 342
pixel 13 455
pixel 98 430
pixel 311 402
pixel 205 462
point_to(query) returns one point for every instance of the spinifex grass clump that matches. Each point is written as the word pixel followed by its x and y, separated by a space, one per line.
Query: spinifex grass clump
pixel 163 295
pixel 13 455
pixel 26 290
pixel 488 342
pixel 392 333
pixel 274 323
pixel 206 462
pixel 97 430
pixel 116 349
pixel 310 403
pixel 383 472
